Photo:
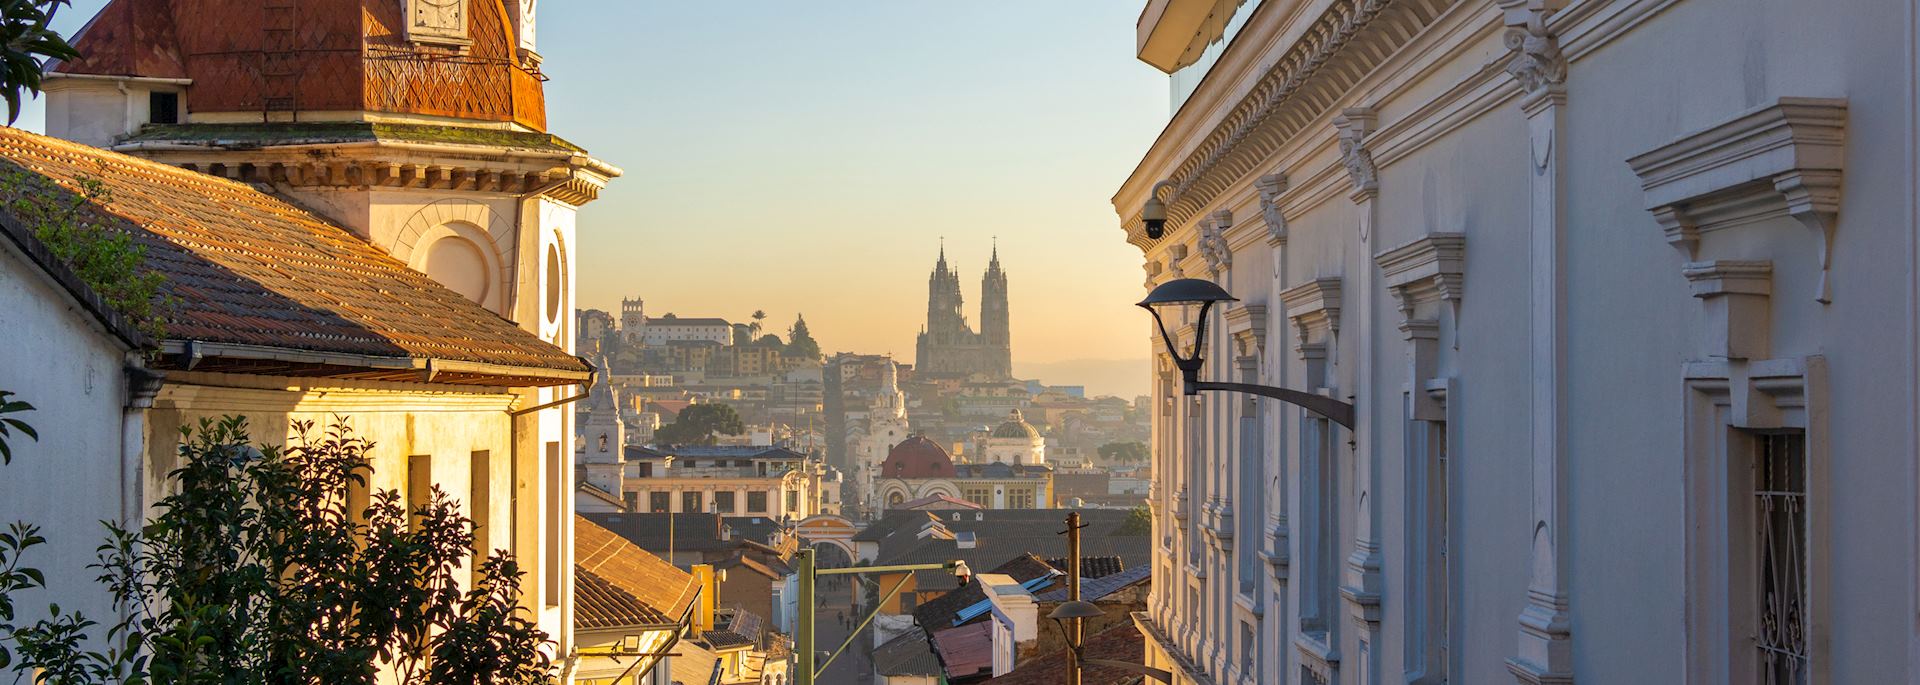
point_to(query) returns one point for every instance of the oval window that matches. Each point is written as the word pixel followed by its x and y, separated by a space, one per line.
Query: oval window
pixel 555 283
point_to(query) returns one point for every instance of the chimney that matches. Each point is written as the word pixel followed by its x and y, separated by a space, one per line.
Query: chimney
pixel 703 613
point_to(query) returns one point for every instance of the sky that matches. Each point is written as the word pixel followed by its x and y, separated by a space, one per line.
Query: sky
pixel 810 158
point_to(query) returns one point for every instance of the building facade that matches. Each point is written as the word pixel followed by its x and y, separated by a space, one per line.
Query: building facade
pixel 418 125
pixel 1662 437
pixel 774 482
pixel 918 468
pixel 948 345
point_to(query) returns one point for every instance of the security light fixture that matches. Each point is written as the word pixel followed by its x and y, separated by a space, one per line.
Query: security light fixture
pixel 1077 609
pixel 1181 296
pixel 960 570
pixel 1154 213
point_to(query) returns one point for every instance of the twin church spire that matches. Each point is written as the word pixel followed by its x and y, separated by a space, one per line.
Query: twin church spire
pixel 949 345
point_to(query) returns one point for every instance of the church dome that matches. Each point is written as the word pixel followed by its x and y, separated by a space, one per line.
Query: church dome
pixel 917 457
pixel 1016 426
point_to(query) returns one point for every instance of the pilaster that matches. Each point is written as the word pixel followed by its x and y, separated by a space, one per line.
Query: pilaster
pixel 1544 649
pixel 1363 584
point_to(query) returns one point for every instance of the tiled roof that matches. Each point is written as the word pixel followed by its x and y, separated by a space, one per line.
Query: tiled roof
pixel 667 593
pixel 1091 567
pixel 694 665
pixel 1000 535
pixel 37 254
pixel 938 613
pixel 1096 589
pixel 909 654
pixel 1119 643
pixel 598 603
pixel 257 281
pixel 690 532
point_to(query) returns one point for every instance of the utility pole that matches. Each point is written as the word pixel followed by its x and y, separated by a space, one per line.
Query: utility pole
pixel 1073 590
pixel 803 629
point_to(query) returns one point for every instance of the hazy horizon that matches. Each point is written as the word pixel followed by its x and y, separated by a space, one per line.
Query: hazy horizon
pixel 774 161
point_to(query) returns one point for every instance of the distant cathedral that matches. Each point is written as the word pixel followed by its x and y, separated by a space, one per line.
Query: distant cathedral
pixel 948 346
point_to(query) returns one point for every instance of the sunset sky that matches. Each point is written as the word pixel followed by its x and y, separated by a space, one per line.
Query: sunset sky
pixel 808 157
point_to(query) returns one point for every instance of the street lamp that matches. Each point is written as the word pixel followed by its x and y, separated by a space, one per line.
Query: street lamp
pixel 1079 609
pixel 1182 295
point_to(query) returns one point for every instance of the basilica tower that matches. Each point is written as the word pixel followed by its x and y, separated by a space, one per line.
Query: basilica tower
pixel 948 345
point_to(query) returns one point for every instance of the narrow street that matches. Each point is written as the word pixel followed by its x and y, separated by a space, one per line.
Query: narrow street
pixel 835 615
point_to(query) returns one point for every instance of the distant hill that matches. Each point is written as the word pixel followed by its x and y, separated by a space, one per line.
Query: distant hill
pixel 1124 378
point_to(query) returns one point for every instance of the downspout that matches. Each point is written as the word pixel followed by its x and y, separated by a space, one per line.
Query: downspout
pixel 143 384
pixel 570 660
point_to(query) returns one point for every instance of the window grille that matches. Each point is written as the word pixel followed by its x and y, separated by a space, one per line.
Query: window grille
pixel 1780 524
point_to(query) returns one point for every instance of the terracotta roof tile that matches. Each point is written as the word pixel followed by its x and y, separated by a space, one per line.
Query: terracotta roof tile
pixel 249 269
pixel 620 582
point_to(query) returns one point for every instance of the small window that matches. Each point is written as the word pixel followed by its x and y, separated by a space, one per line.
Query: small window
pixel 163 107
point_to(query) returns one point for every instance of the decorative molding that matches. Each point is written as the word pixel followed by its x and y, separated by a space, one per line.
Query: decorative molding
pixel 1213 242
pixel 1789 152
pixel 1354 125
pixel 1736 294
pixel 1314 306
pixel 1431 268
pixel 1269 188
pixel 1537 63
pixel 1247 324
pixel 1348 42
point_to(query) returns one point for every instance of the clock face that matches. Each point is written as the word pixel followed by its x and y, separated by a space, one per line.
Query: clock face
pixel 440 18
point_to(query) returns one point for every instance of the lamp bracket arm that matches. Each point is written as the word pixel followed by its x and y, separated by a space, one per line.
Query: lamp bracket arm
pixel 1334 410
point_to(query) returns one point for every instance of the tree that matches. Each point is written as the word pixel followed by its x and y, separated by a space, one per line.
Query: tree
pixel 259 570
pixel 800 343
pixel 697 425
pixel 759 316
pixel 1139 522
pixel 30 43
pixel 1132 452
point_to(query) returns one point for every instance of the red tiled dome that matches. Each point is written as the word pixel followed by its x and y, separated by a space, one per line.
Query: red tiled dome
pixel 917 457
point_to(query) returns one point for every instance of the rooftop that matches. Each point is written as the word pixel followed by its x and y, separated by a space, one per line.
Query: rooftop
pixel 1119 643
pixel 264 287
pixel 908 654
pixel 620 585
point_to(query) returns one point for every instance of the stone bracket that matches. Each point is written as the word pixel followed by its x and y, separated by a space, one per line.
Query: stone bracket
pixel 1786 154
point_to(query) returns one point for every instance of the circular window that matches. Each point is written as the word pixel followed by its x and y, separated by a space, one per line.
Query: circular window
pixel 555 283
pixel 459 265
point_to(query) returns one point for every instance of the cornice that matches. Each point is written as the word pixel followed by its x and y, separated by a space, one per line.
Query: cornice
pixel 1791 152
pixel 1314 305
pixel 1344 45
pixel 368 166
pixel 1430 268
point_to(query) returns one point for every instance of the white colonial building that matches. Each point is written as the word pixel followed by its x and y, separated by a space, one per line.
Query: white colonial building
pixel 1624 294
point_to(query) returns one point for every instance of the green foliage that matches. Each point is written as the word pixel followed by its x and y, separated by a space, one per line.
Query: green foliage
pixel 30 42
pixel 258 570
pixel 800 343
pixel 1131 452
pixel 1139 522
pixel 8 425
pixel 698 423
pixel 107 259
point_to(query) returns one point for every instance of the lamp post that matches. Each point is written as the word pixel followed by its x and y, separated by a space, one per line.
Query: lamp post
pixel 1182 294
pixel 806 670
pixel 1074 610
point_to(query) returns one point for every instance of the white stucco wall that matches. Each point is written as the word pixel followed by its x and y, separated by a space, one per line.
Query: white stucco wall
pixel 57 359
pixel 1453 150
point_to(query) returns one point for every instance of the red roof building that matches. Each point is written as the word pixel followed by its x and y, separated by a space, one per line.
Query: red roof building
pixel 283 58
pixel 917 457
